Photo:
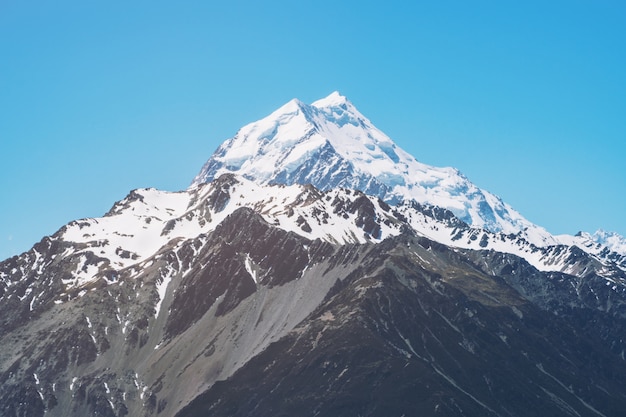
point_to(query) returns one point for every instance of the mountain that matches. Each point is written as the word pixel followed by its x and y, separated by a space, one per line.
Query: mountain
pixel 329 144
pixel 251 293
pixel 603 241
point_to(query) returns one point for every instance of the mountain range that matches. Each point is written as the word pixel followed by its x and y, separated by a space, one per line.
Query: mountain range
pixel 314 268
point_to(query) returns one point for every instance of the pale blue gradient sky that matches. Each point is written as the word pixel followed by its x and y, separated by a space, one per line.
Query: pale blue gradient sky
pixel 527 99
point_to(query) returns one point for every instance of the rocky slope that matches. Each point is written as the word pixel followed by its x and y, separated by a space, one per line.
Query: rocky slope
pixel 419 329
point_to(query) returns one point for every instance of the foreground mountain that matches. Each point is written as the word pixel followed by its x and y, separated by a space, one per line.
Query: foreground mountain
pixel 399 336
pixel 244 296
pixel 143 311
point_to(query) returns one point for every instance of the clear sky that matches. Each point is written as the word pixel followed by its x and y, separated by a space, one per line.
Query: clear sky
pixel 527 99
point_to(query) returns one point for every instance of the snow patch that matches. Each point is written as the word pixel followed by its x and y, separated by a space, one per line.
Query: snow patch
pixel 251 268
pixel 162 285
pixel 569 389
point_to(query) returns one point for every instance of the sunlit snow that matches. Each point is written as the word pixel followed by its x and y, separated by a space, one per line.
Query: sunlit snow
pixel 275 147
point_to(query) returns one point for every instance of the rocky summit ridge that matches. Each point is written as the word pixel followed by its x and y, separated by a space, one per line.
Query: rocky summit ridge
pixel 291 279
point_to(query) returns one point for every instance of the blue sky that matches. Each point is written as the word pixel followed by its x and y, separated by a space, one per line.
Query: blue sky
pixel 527 99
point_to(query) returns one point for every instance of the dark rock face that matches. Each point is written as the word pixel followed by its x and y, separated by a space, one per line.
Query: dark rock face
pixel 251 319
pixel 399 338
pixel 108 349
pixel 220 272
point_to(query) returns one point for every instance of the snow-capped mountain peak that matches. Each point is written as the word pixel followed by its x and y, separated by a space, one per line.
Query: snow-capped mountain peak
pixel 332 100
pixel 599 242
pixel 612 240
pixel 330 144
